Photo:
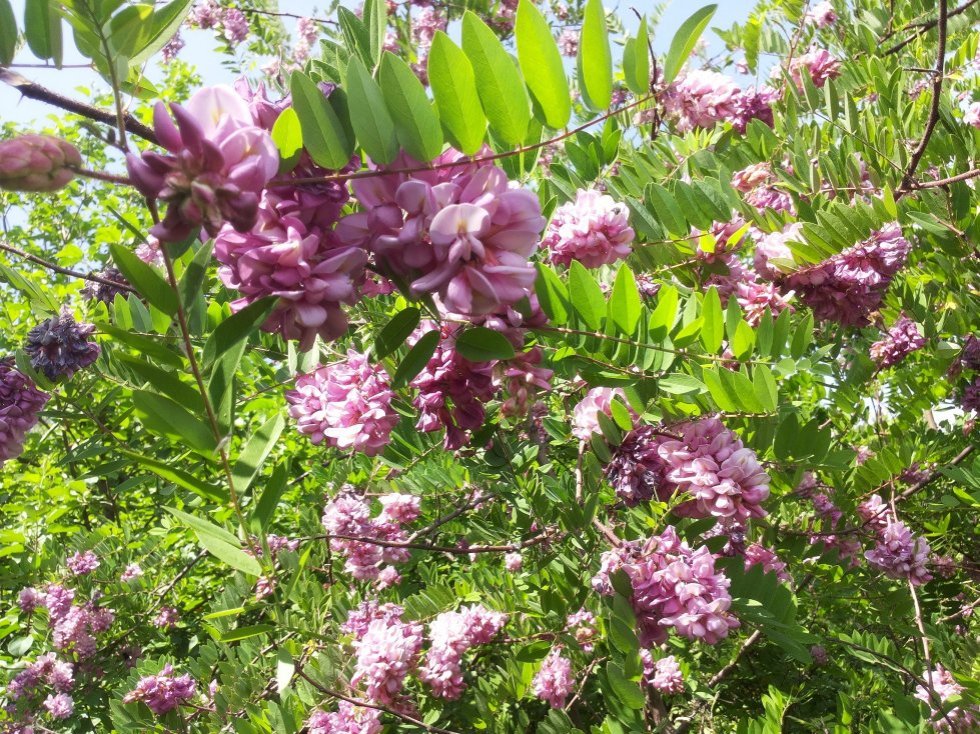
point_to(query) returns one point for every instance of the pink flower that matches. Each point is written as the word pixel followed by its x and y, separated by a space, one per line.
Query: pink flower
pixel 554 681
pixel 822 14
pixel 775 246
pixel 452 634
pixel 585 419
pixel 348 404
pixel 82 564
pixel 29 599
pixel 703 99
pixel 521 378
pixel 757 554
pixel 163 692
pixel 663 675
pixel 899 554
pixel 972 115
pixel 167 618
pixel 217 164
pixel 960 719
pixel 149 252
pixel 368 611
pixel 386 653
pixel 568 42
pixel 20 408
pixel 582 626
pixel 902 339
pixel 37 163
pixel 818 64
pixel 347 719
pixel 401 508
pixel 593 229
pixel 59 705
pixel 513 562
pixel 348 515
pixel 234 25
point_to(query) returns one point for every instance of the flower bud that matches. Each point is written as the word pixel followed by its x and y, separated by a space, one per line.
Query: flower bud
pixel 37 163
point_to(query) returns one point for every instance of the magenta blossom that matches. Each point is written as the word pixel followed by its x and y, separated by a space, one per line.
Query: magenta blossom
pixel 900 341
pixel 822 14
pixel 585 417
pixel 818 64
pixel 554 682
pixel 164 691
pixel 593 229
pixel 20 407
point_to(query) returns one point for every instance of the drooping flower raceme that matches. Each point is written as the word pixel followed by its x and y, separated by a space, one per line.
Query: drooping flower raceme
pixel 82 563
pixel 59 346
pixel 347 404
pixel 663 675
pixel 822 14
pixel 37 163
pixel 593 229
pixel 216 165
pixel 452 634
pixel 554 682
pixel 960 719
pixel 757 554
pixel 350 516
pixel 706 462
pixel 972 115
pixel 897 552
pixel 20 406
pixel 349 718
pixel 673 587
pixel 818 64
pixel 461 231
pixel 902 339
pixel 164 691
pixel 585 420
pixel 386 654
pixel 703 99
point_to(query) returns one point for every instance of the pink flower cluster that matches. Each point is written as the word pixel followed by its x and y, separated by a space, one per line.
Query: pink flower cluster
pixel 520 379
pixel 594 229
pixel 663 675
pixel 585 416
pixel 386 653
pixel 755 297
pixel 829 515
pixel 452 634
pixel 848 286
pixel 20 407
pixel 307 31
pixel 818 64
pixel 972 115
pixel 73 626
pixel 164 691
pixel 216 166
pixel 757 554
pixel 822 14
pixel 349 718
pixel 230 21
pixel 757 182
pixel 581 625
pixel 452 394
pixel 700 460
pixel 902 339
pixel 350 516
pixel 897 552
pixel 706 98
pixel 46 670
pixel 958 720
pixel 82 563
pixel 368 611
pixel 460 231
pixel 673 587
pixel 347 403
pixel 554 682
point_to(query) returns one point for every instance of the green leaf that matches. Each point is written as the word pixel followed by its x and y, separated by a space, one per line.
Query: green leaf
pixel 480 344
pixel 243 633
pixel 416 359
pixel 680 384
pixel 285 667
pixel 713 328
pixel 627 691
pixel 144 279
pixel 663 316
pixel 192 280
pixel 668 213
pixel 542 65
pixel 42 29
pixel 167 383
pixel 376 20
pixel 355 34
pixel 162 415
pixel 765 387
pixel 145 345
pixel 396 331
pixel 255 452
pixel 552 295
pixel 622 636
pixel 416 123
pixel 266 507
pixel 595 58
pixel 178 477
pixel 325 132
pixel 636 60
pixel 454 88
pixel 498 81
pixel 375 128
pixel 236 329
pixel 163 25
pixel 625 306
pixel 219 543
pixel 8 33
pixel 586 296
pixel 685 40
pixel 287 134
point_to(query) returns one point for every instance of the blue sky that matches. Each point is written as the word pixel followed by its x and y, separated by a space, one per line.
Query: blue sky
pixel 200 51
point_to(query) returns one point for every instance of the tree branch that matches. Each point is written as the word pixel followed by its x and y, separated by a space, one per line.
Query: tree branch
pixel 65 271
pixel 35 91
pixel 923 28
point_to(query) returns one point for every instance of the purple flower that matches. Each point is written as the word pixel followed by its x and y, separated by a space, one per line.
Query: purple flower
pixel 106 292
pixel 899 554
pixel 163 692
pixel 167 618
pixel 822 14
pixel 29 599
pixel 348 404
pixel 554 681
pixel 169 52
pixel 82 564
pixel 452 634
pixel 58 347
pixel 205 14
pixel 900 341
pixel 20 406
pixel 37 163
pixel 818 64
pixel 593 229
pixel 972 115
pixel 218 163
pixel 970 397
pixel 59 705
pixel 568 42
pixel 585 420
pixel 513 562
pixel 347 719
pixel 960 719
pixel 234 25
pixel 349 515
pixel 132 572
pixel 703 99
pixel 757 554
pixel 386 653
pixel 368 611
pixel 775 247
pixel 663 675
pixel 149 252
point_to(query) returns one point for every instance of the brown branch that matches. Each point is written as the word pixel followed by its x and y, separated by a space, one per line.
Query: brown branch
pixel 537 540
pixel 35 91
pixel 923 28
pixel 65 271
pixel 937 90
pixel 936 473
pixel 939 183
pixel 103 176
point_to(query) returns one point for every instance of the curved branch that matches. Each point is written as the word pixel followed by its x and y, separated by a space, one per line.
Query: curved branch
pixel 65 271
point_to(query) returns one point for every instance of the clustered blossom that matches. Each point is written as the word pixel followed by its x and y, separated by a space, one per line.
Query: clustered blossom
pixel 113 283
pixel 554 682
pixel 349 515
pixel 673 587
pixel 131 573
pixel 830 515
pixel 73 626
pixel 897 552
pixel 369 611
pixel 215 168
pixel 167 618
pixel 900 341
pixel 663 675
pixel 424 27
pixel 386 653
pixel 755 297
pixel 568 42
pixel 520 379
pixel 757 182
pixel 172 48
pixel 37 163
pixel 20 407
pixel 701 461
pixel 452 394
pixel 594 229
pixel 959 719
pixel 822 14
pixel 46 670
pixel 757 554
pixel 347 404
pixel 164 691
pixel 846 287
pixel 513 562
pixel 307 31
pixel 703 99
pixel 452 634
pixel 582 626
pixel 347 719
pixel 972 115
pixel 585 416
pixel 59 346
pixel 83 563
pixel 818 64
pixel 969 359
pixel 460 231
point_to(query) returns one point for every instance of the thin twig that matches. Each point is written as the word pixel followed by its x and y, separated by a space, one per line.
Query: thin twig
pixel 923 28
pixel 459 551
pixel 65 271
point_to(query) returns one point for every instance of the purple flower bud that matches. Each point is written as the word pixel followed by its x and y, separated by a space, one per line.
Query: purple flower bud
pixel 20 405
pixel 58 347
pixel 37 163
